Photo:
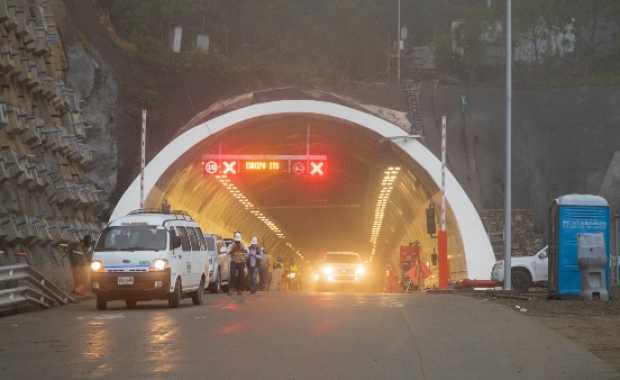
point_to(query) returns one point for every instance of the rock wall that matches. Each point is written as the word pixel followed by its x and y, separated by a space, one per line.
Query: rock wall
pixel 93 80
pixel 527 239
pixel 563 141
pixel 610 188
pixel 48 199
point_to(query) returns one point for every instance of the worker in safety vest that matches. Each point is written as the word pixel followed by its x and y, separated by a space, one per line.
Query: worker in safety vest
pixel 238 256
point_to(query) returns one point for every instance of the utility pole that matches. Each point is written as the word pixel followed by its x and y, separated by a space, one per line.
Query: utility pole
pixel 508 191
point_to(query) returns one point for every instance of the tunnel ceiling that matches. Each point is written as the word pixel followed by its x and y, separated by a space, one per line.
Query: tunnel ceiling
pixel 316 214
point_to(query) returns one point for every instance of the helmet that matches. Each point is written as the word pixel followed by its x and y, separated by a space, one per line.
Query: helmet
pixel 237 237
pixel 254 240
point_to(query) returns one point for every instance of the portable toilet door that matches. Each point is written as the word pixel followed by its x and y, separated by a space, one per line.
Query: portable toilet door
pixel 571 215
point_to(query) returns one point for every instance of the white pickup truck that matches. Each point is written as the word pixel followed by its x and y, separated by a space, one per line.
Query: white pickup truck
pixel 526 270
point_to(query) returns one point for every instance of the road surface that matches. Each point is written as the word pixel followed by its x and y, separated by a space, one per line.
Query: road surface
pixel 292 336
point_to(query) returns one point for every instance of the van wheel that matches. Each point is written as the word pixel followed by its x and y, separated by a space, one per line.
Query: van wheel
pixel 174 299
pixel 198 295
pixel 217 285
pixel 131 304
pixel 102 304
pixel 521 280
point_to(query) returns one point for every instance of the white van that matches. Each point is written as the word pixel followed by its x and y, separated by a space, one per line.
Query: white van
pixel 150 255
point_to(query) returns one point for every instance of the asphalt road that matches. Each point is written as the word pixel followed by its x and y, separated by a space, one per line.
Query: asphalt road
pixel 292 336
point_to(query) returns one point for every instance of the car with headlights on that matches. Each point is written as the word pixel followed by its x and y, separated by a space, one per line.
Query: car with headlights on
pixel 149 255
pixel 340 269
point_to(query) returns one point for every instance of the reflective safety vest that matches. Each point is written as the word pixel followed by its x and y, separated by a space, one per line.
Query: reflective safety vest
pixel 237 253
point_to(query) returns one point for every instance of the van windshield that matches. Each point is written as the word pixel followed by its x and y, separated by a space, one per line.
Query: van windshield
pixel 132 238
pixel 339 258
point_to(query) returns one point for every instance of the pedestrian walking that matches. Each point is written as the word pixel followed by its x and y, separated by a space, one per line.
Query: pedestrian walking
pixel 255 254
pixel 237 252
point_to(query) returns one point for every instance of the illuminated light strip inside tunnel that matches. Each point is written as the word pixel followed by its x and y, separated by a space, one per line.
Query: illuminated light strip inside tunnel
pixel 249 206
pixel 235 192
pixel 387 185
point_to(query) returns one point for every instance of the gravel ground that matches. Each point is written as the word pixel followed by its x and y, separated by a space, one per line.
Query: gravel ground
pixel 592 324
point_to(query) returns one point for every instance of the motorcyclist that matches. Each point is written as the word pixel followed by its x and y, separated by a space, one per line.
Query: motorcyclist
pixel 291 277
pixel 237 252
pixel 255 255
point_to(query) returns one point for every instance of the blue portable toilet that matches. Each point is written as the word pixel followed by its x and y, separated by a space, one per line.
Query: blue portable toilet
pixel 569 216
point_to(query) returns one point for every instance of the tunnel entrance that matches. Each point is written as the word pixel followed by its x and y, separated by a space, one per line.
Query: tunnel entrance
pixel 372 199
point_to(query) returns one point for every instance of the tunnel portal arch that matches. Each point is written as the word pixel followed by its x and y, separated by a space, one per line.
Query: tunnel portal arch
pixel 477 247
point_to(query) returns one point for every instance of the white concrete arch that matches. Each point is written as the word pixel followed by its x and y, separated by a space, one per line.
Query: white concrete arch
pixel 476 244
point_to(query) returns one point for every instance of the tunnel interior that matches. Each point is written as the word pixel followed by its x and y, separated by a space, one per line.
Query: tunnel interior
pixel 372 199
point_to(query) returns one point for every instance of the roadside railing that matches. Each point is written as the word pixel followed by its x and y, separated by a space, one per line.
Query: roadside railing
pixel 22 284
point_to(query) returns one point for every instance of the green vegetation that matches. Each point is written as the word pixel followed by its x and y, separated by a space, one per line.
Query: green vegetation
pixel 348 37
pixel 353 39
pixel 593 59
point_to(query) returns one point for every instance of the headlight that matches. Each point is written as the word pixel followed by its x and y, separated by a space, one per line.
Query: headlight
pixel 292 275
pixel 328 270
pixel 96 266
pixel 360 271
pixel 160 264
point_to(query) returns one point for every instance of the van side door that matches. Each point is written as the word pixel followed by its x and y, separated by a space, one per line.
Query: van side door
pixel 185 258
pixel 196 257
pixel 202 256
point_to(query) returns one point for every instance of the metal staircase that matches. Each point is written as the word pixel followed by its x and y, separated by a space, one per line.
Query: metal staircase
pixel 412 91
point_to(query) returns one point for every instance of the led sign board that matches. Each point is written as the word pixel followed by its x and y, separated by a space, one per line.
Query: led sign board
pixel 262 166
pixel 309 165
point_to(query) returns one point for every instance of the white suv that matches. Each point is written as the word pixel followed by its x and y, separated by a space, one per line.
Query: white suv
pixel 341 268
pixel 526 270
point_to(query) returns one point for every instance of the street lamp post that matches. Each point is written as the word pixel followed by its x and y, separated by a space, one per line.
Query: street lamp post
pixel 508 191
pixel 142 157
pixel 398 43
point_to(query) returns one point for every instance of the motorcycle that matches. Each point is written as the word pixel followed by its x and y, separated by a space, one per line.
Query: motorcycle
pixel 293 281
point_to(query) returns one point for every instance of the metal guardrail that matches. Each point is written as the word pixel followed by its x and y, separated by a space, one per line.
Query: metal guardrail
pixel 25 285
